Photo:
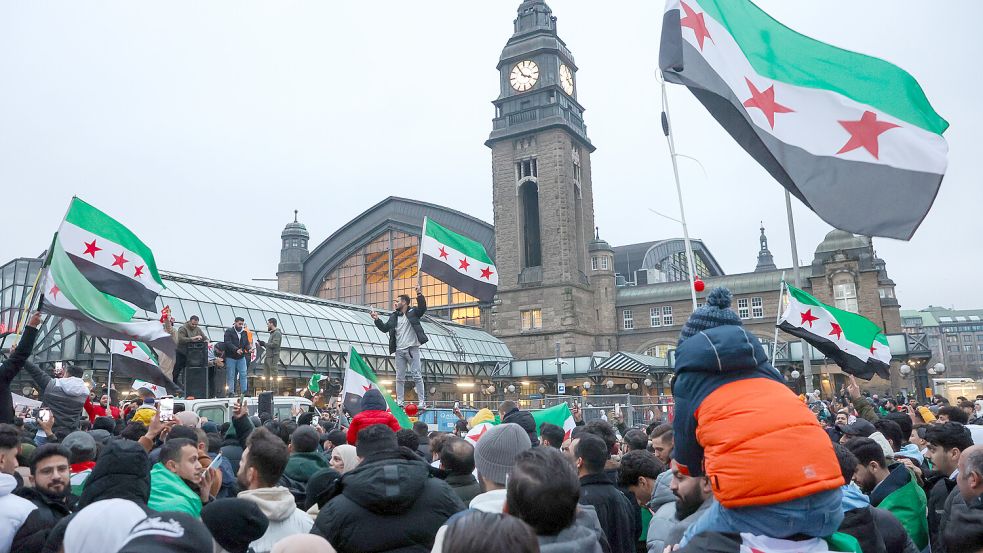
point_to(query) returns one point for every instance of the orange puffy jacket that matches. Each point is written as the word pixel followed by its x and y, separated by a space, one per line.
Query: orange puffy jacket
pixel 740 425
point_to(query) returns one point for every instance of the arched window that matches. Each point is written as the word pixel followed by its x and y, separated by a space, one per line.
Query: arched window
pixel 532 254
pixel 845 292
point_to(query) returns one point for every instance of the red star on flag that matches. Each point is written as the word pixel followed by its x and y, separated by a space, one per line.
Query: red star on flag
pixel 138 271
pixel 464 264
pixel 443 253
pixel 478 436
pixel 153 387
pixel 486 273
pixel 54 291
pixel 837 331
pixel 129 347
pixel 367 388
pixel 808 317
pixel 873 348
pixel 864 133
pixel 120 260
pixel 765 101
pixel 696 22
pixel 91 248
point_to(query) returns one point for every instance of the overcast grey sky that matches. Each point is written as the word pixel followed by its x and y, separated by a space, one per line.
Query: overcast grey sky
pixel 203 125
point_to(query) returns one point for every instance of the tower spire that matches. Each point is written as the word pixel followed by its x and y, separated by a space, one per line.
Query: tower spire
pixel 766 262
pixel 534 15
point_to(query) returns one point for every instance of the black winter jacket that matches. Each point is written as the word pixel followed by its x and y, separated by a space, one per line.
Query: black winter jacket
pixel 235 341
pixel 877 530
pixel 413 314
pixel 10 368
pixel 391 491
pixel 525 420
pixel 122 472
pixel 937 490
pixel 34 532
pixel 615 513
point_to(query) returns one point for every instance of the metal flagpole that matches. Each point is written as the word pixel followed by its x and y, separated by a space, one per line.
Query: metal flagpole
pixel 109 378
pixel 778 318
pixel 667 130
pixel 806 361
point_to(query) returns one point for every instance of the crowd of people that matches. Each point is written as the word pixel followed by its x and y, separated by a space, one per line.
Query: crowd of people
pixel 744 465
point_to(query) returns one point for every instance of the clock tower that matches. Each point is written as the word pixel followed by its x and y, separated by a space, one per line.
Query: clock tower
pixel 544 207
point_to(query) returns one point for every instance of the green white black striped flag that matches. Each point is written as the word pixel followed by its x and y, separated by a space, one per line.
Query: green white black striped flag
pixel 457 260
pixel 135 360
pixel 97 270
pixel 852 136
pixel 854 342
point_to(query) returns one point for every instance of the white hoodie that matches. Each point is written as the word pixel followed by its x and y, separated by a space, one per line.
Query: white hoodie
pixel 488 502
pixel 285 518
pixel 13 511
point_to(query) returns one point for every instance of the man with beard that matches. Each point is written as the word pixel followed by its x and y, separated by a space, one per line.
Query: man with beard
pixel 51 494
pixel 893 489
pixel 178 482
pixel 694 496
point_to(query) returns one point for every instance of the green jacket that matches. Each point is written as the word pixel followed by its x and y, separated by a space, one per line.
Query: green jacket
pixel 907 502
pixel 271 358
pixel 865 410
pixel 301 466
pixel 168 492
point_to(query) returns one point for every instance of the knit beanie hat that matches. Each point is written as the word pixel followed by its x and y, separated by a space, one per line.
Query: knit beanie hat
pixel 168 532
pixel 234 523
pixel 714 313
pixel 495 452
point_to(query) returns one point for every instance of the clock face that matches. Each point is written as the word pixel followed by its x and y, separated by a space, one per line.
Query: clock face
pixel 524 75
pixel 566 79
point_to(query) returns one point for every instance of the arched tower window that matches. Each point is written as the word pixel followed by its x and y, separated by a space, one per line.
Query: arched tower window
pixel 845 292
pixel 532 253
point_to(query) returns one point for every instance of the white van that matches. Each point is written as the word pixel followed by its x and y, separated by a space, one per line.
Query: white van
pixel 219 409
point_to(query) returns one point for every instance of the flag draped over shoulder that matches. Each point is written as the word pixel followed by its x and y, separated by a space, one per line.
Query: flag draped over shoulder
pixel 360 378
pixel 135 360
pixel 97 271
pixel 458 261
pixel 852 136
pixel 855 343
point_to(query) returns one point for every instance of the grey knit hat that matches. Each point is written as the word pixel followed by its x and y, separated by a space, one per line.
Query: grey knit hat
pixel 716 312
pixel 495 452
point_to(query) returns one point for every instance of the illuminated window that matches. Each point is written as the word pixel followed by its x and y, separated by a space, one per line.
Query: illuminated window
pixel 661 350
pixel 470 316
pixel 532 319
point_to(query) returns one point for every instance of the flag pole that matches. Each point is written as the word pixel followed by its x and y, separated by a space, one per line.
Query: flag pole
pixel 109 377
pixel 806 361
pixel 667 130
pixel 419 256
pixel 778 318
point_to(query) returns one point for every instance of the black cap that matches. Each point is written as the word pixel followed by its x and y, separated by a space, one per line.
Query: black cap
pixel 860 427
pixel 169 532
pixel 234 523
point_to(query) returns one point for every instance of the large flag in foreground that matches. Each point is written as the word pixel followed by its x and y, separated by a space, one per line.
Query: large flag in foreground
pixel 852 136
pixel 91 285
pixel 137 361
pixel 855 343
pixel 458 261
pixel 360 378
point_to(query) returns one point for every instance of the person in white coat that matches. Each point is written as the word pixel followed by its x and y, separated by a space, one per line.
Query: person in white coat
pixel 263 462
pixel 13 509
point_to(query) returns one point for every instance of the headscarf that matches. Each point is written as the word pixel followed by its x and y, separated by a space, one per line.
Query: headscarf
pixel 348 455
pixel 303 543
pixel 102 526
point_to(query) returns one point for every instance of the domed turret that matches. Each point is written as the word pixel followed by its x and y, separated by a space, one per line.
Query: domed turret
pixel 293 253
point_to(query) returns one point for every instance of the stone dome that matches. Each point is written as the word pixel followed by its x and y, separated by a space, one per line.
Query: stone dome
pixel 841 240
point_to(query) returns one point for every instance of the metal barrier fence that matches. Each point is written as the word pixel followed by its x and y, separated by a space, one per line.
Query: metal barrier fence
pixel 636 410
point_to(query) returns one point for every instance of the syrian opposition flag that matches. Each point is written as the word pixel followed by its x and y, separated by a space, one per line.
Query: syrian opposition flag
pixel 855 343
pixel 117 323
pixel 458 261
pixel 558 414
pixel 852 136
pixel 315 383
pixel 109 256
pixel 137 361
pixel 159 391
pixel 360 378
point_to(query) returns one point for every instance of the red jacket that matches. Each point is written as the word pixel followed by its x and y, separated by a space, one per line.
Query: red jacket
pixel 366 419
pixel 97 410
